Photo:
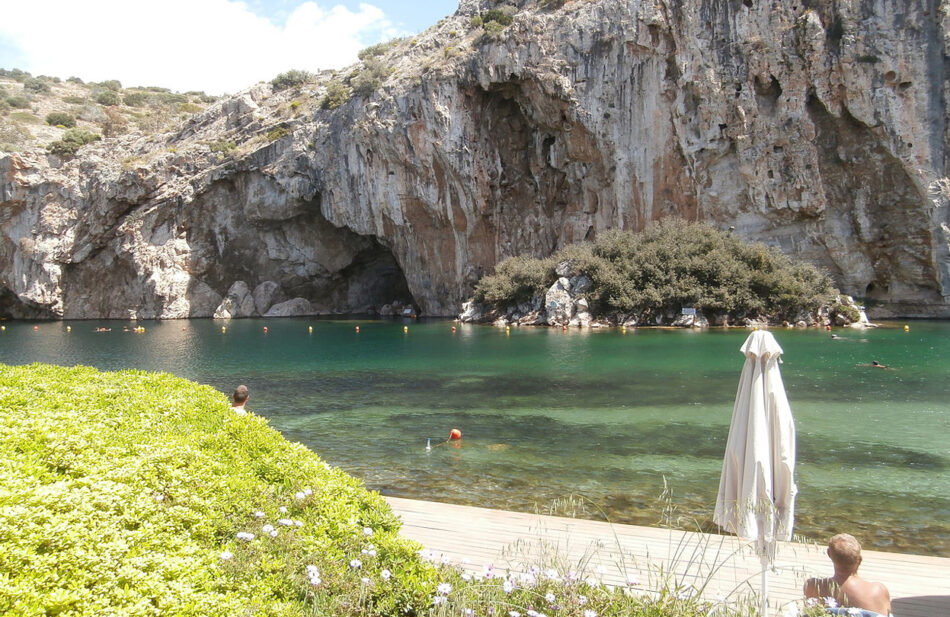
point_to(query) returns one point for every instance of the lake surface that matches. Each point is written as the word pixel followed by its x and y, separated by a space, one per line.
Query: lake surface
pixel 603 416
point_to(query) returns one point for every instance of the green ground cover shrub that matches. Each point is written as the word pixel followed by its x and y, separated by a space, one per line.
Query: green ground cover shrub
pixel 134 99
pixel 379 49
pixel 336 95
pixel 18 102
pixel 129 494
pixel 370 77
pixel 291 79
pixel 59 118
pixel 671 265
pixel 108 97
pixel 72 141
pixel 36 85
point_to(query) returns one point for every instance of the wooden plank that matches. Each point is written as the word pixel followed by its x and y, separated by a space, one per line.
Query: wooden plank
pixel 475 537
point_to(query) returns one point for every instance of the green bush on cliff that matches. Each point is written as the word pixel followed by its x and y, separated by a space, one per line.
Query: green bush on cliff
pixel 59 118
pixel 291 79
pixel 379 49
pixel 671 265
pixel 336 95
pixel 129 494
pixel 71 142
pixel 370 77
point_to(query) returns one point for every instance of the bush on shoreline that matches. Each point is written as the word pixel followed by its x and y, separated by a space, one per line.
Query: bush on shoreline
pixel 669 266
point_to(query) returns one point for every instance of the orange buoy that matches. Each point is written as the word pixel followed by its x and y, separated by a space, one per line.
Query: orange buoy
pixel 455 434
pixel 265 329
pixel 357 329
pixel 453 329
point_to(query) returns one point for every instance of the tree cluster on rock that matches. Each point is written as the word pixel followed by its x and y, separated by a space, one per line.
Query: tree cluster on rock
pixel 673 273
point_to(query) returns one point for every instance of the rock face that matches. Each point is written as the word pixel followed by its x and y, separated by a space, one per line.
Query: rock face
pixel 817 126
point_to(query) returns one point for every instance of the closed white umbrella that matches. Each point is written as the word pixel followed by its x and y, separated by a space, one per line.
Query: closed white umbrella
pixel 757 487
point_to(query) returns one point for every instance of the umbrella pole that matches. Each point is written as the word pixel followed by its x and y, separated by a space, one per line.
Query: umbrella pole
pixel 765 585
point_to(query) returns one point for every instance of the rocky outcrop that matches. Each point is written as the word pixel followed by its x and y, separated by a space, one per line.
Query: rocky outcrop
pixel 819 127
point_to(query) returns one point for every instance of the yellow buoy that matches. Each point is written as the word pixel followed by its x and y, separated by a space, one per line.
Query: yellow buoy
pixel 906 328
pixel 405 328
pixel 310 329
pixel 623 329
pixel 3 328
pixel 69 328
pixel 223 329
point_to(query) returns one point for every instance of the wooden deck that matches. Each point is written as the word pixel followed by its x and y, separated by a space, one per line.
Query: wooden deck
pixel 475 537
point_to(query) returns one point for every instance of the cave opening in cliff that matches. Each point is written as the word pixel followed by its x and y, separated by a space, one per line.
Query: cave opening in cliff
pixel 375 282
pixel 12 307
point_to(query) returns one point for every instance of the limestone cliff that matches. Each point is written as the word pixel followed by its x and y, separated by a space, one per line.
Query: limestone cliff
pixel 819 126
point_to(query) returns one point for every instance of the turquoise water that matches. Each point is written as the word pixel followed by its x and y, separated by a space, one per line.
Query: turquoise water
pixel 547 414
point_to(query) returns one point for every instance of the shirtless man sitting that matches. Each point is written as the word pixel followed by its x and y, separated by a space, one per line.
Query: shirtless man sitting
pixel 846 587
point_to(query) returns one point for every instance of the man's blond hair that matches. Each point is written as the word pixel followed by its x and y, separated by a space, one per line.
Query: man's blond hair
pixel 845 551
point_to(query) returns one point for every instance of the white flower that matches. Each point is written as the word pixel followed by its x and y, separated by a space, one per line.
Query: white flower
pixel 308 492
pixel 590 613
pixel 244 535
pixel 427 554
pixel 550 598
pixel 283 509
pixel 469 612
pixel 466 577
pixel 444 588
pixel 225 555
pixel 831 602
pixel 385 574
pixel 791 610
pixel 439 600
pixel 582 600
pixel 532 613
pixel 315 581
pixel 445 560
pixel 312 570
pixel 159 498
pixel 633 580
pixel 528 580
pixel 356 564
pixel 286 522
pixel 258 514
pixel 367 531
pixel 552 574
pixel 508 586
pixel 300 495
pixel 267 528
pixel 855 611
pixel 514 614
pixel 272 533
pixel 365 581
pixel 298 523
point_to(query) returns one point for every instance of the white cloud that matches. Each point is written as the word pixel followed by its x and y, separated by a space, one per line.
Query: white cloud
pixel 211 45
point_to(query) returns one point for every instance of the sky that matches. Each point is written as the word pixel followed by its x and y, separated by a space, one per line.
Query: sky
pixel 218 46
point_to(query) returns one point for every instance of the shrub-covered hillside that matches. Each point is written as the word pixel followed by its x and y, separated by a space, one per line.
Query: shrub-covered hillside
pixel 639 277
pixel 64 114
pixel 142 494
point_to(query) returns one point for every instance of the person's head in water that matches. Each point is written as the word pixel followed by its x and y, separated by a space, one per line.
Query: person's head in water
pixel 240 396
